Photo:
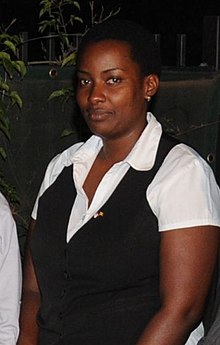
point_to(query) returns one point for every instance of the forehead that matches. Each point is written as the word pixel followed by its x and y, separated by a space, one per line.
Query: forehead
pixel 106 50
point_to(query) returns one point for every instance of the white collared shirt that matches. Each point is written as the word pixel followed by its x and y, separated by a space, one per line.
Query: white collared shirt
pixel 183 193
pixel 10 276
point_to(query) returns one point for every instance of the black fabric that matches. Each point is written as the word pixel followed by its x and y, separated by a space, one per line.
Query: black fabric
pixel 103 286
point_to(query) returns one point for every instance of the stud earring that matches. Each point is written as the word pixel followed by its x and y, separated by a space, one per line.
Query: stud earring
pixel 148 98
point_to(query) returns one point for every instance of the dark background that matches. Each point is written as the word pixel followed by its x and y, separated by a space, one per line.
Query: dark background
pixel 165 17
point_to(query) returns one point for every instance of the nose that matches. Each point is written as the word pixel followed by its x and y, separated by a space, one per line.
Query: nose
pixel 96 94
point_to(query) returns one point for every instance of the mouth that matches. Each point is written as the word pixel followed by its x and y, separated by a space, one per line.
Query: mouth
pixel 98 114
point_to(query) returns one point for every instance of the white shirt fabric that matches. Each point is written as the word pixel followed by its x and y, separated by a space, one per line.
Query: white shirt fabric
pixel 10 276
pixel 183 193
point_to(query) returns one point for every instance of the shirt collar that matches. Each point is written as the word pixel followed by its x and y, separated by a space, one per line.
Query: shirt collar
pixel 141 157
pixel 143 154
pixel 88 151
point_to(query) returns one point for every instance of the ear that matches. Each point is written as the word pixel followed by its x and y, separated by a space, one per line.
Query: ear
pixel 151 86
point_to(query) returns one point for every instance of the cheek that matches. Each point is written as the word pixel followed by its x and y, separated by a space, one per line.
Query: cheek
pixel 121 97
pixel 131 99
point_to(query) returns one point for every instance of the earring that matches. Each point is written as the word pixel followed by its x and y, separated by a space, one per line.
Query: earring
pixel 148 98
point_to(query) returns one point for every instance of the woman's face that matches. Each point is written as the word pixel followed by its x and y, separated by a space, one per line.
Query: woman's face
pixel 111 92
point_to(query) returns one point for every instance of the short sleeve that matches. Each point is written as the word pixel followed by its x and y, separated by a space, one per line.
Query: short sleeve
pixel 53 170
pixel 47 181
pixel 10 276
pixel 184 192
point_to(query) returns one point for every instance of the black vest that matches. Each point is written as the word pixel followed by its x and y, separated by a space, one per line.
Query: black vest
pixel 103 286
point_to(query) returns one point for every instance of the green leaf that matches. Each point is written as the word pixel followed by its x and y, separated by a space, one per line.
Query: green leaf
pixel 57 93
pixel 8 66
pixel 44 24
pixel 79 19
pixel 4 55
pixel 4 36
pixel 11 46
pixel 3 85
pixel 76 3
pixel 67 132
pixel 17 39
pixel 75 18
pixel 3 153
pixel 5 130
pixel 42 11
pixel 20 67
pixel 70 59
pixel 16 99
pixel 42 28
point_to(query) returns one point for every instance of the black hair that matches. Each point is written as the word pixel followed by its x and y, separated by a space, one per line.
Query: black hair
pixel 144 50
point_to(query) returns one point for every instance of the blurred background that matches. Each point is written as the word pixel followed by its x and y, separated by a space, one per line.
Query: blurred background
pixel 167 18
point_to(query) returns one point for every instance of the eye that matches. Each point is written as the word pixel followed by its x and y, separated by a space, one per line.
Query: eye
pixel 84 82
pixel 114 80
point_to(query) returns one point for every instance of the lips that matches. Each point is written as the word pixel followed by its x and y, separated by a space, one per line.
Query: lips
pixel 98 114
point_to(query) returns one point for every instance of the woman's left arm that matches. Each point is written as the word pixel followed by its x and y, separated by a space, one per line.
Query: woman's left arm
pixel 187 262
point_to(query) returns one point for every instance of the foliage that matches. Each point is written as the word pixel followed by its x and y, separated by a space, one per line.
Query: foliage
pixel 60 19
pixel 65 93
pixel 100 16
pixel 10 67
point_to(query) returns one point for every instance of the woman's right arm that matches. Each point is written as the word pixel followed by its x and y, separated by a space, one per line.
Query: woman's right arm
pixel 30 300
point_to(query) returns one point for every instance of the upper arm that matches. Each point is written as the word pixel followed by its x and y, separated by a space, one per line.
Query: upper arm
pixel 187 259
pixel 30 300
pixel 30 280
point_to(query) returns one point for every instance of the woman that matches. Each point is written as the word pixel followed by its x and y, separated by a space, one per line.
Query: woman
pixel 125 232
pixel 10 276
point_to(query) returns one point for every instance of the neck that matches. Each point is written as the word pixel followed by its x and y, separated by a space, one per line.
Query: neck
pixel 115 150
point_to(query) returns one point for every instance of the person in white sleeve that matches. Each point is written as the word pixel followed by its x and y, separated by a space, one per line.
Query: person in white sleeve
pixel 10 276
pixel 124 235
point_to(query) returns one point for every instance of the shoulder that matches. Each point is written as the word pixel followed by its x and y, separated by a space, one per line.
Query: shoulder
pixel 74 153
pixel 61 160
pixel 57 164
pixel 183 160
pixel 184 191
pixel 7 225
pixel 5 212
pixel 70 156
pixel 4 206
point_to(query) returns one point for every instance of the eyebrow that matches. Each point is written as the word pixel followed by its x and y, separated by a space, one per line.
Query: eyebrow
pixel 105 71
